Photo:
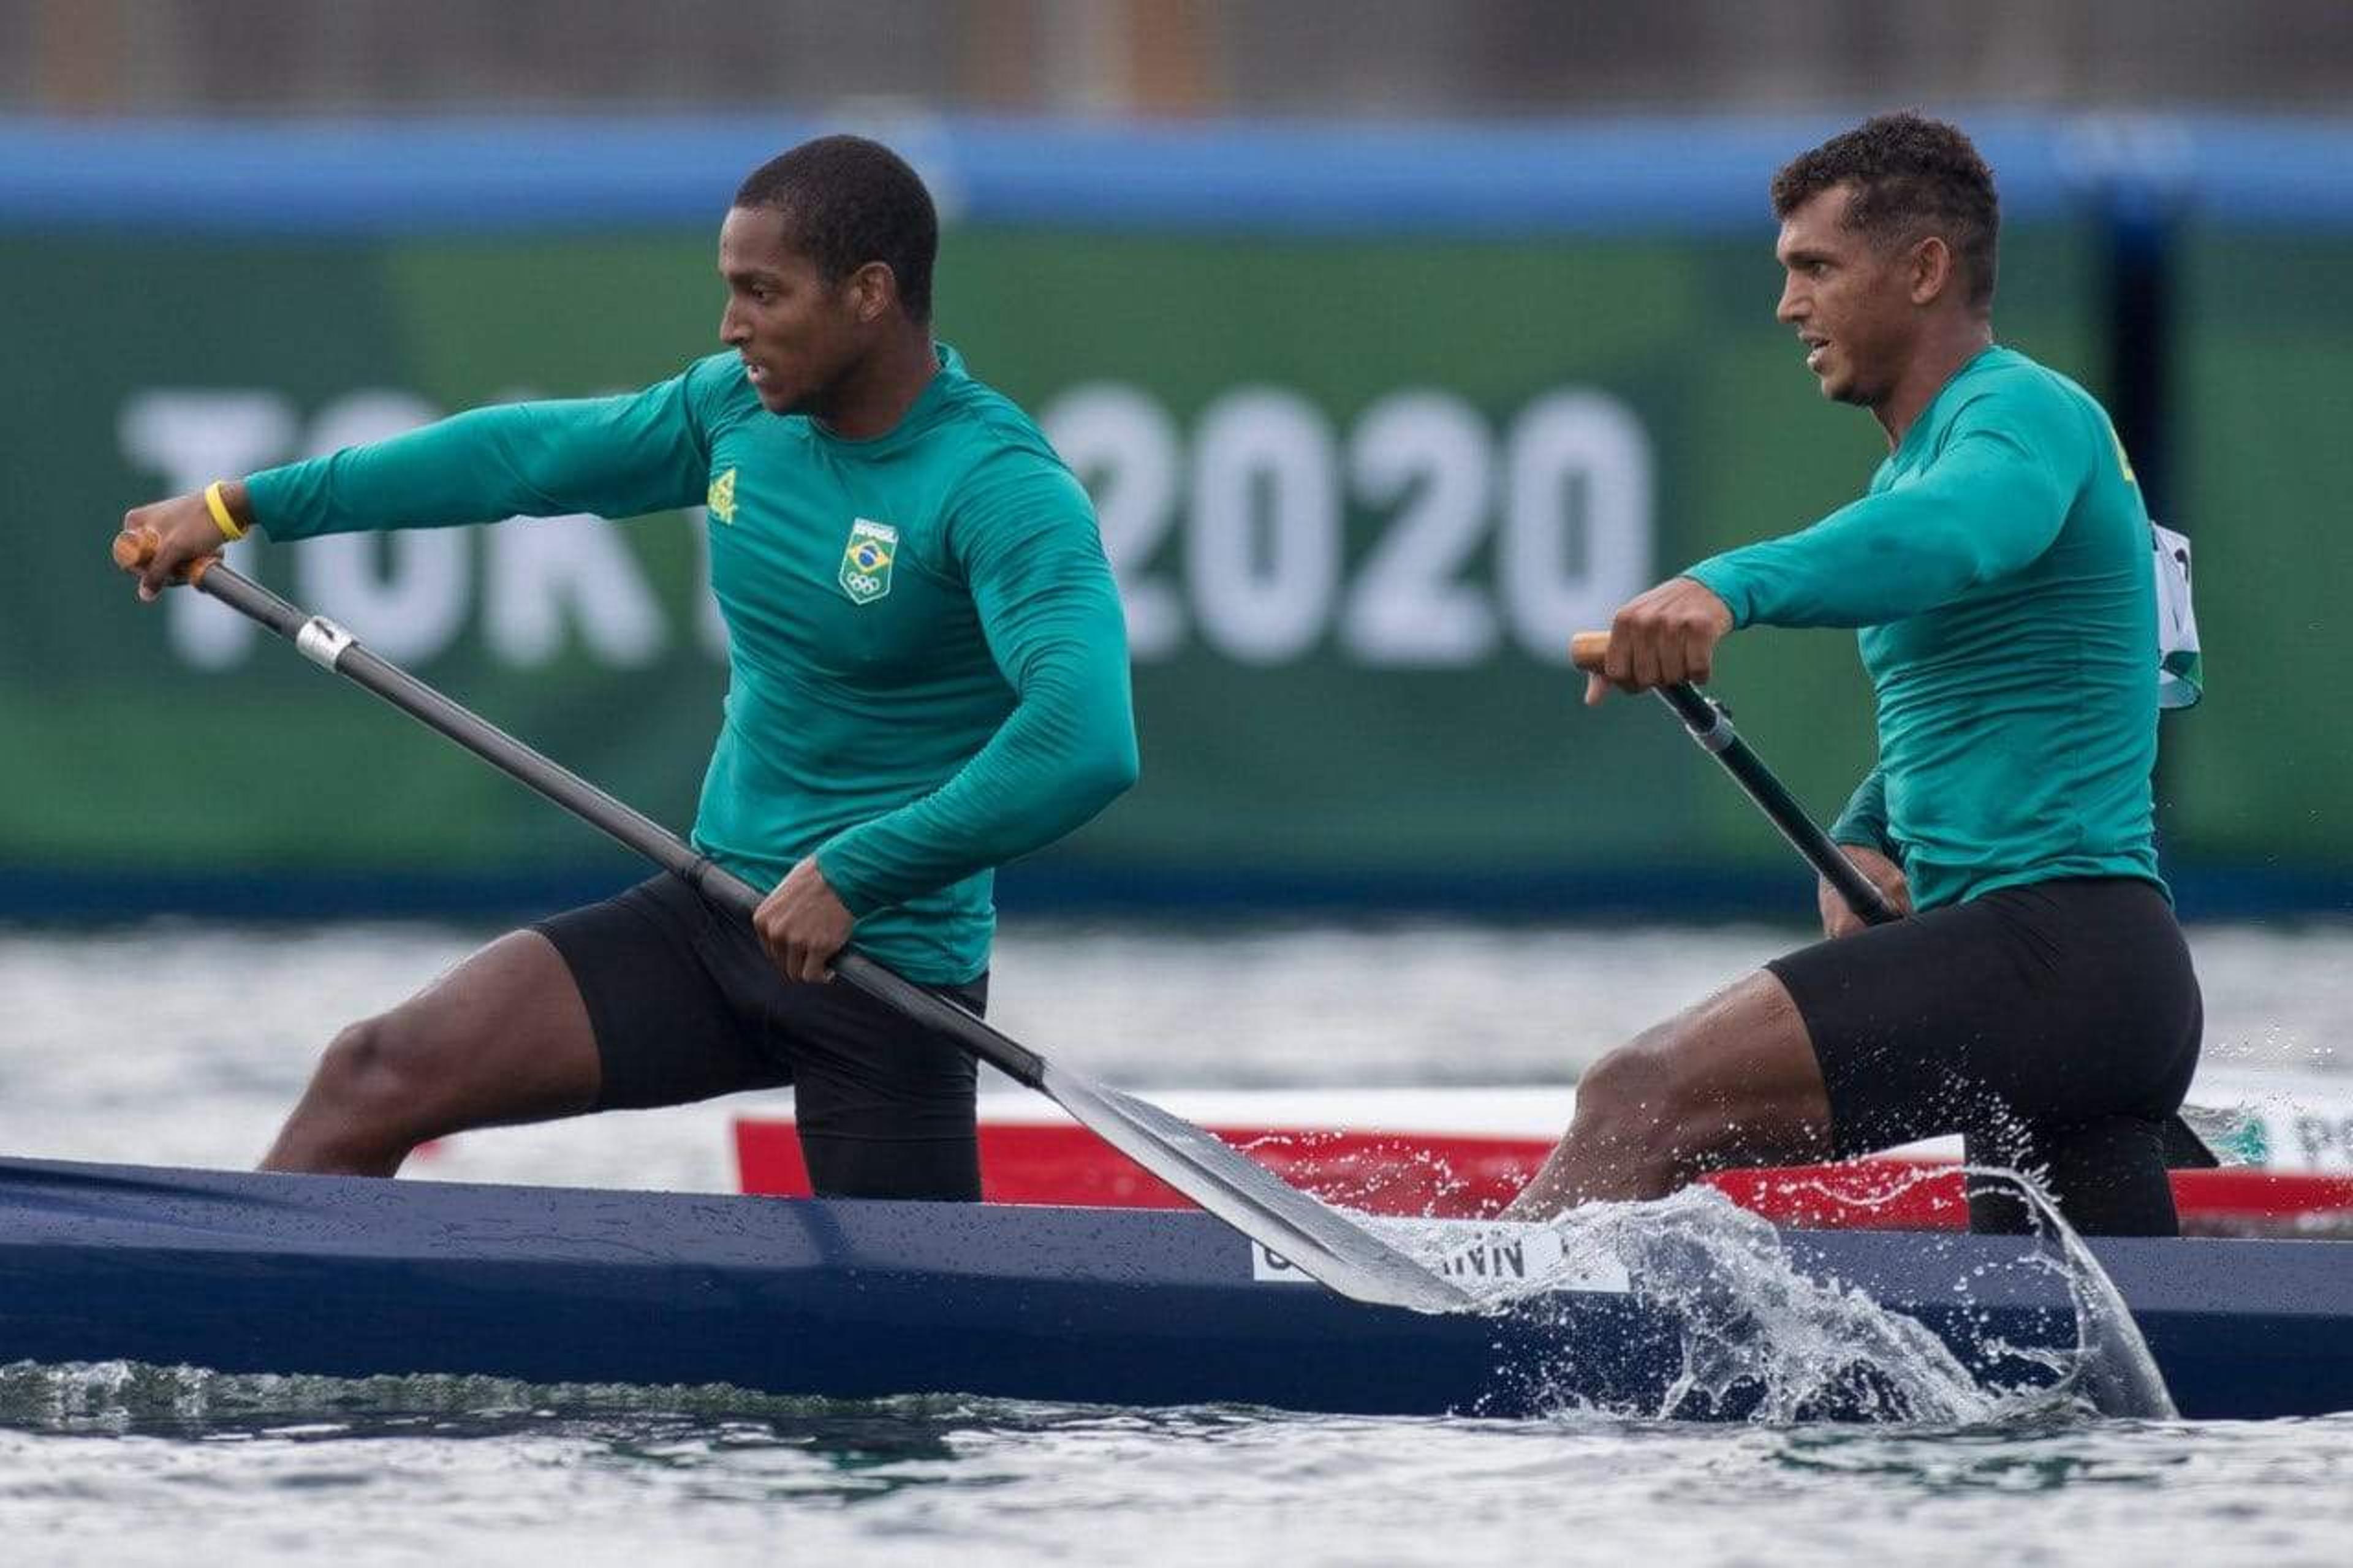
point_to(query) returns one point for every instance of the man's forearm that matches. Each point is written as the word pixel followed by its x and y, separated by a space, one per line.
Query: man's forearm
pixel 1057 761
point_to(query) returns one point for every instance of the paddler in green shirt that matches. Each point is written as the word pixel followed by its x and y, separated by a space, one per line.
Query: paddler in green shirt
pixel 2038 999
pixel 927 677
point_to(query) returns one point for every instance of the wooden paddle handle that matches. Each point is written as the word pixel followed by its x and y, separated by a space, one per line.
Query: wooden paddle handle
pixel 134 547
pixel 1586 650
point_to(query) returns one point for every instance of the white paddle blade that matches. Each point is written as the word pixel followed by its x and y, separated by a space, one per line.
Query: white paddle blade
pixel 1322 1245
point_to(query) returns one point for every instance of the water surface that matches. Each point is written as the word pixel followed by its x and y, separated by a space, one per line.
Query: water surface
pixel 177 1043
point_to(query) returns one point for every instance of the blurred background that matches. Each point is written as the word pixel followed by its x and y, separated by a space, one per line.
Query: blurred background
pixel 1396 340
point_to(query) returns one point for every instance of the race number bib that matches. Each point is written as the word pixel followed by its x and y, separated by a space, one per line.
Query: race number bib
pixel 2181 671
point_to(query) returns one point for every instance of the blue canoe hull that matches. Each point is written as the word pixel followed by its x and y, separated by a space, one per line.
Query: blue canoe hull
pixel 351 1277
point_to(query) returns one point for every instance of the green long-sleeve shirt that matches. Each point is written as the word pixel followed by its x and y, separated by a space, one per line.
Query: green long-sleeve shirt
pixel 1998 568
pixel 927 667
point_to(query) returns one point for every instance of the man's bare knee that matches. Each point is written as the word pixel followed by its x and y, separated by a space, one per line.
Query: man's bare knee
pixel 373 1070
pixel 358 1117
pixel 369 1103
pixel 1631 1110
pixel 505 1037
pixel 1730 1082
pixel 1704 1091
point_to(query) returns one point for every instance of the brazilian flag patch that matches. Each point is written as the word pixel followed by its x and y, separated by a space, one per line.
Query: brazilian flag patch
pixel 866 560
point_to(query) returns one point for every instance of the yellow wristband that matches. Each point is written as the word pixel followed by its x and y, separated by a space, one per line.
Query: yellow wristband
pixel 217 504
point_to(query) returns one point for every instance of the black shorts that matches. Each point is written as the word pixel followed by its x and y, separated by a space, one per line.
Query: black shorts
pixel 686 1003
pixel 2055 1026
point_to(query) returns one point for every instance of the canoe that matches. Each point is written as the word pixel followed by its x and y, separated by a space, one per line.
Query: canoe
pixel 1462 1153
pixel 355 1276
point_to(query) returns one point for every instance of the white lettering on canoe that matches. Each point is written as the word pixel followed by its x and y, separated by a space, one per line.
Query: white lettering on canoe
pixel 1506 1255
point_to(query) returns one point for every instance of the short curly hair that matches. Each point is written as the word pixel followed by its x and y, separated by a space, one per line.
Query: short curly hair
pixel 847 201
pixel 1911 177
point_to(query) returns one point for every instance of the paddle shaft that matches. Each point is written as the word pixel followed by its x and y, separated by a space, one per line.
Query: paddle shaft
pixel 325 644
pixel 1709 724
pixel 1709 727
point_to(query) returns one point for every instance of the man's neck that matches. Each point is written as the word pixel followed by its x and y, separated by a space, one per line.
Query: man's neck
pixel 1938 358
pixel 871 399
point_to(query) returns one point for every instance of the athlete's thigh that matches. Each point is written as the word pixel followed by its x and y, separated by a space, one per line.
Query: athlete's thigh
pixel 1740 1069
pixel 861 1067
pixel 1907 1020
pixel 884 1105
pixel 672 1013
pixel 2054 1004
pixel 501 1037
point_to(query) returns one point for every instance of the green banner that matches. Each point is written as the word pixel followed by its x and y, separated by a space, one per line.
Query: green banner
pixel 2261 771
pixel 1359 492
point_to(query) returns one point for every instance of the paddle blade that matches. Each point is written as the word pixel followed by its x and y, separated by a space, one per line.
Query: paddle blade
pixel 1247 1195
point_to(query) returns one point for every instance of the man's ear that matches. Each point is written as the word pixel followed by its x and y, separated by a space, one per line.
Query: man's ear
pixel 873 292
pixel 1931 264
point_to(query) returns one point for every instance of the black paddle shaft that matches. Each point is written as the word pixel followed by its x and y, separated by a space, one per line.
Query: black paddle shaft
pixel 329 646
pixel 1709 725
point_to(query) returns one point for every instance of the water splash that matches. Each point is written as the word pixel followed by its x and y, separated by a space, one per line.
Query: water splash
pixel 1757 1336
pixel 2111 1369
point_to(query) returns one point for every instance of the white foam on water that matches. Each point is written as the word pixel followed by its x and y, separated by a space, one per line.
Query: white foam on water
pixel 121 1396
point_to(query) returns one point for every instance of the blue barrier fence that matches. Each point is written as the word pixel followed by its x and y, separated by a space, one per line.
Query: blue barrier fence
pixel 498 175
